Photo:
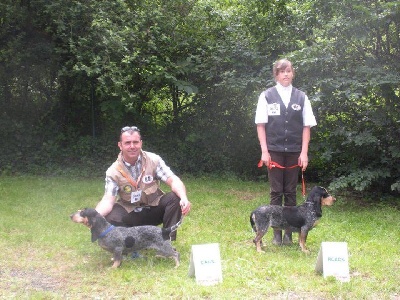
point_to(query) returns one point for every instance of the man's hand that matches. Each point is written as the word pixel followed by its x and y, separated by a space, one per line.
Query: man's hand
pixel 185 206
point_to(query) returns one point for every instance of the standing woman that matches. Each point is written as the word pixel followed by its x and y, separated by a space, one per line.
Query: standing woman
pixel 284 117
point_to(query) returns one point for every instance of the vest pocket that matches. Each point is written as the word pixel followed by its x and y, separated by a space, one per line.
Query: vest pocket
pixel 151 195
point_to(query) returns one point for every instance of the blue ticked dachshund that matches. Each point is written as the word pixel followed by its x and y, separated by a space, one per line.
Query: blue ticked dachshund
pixel 125 240
pixel 291 218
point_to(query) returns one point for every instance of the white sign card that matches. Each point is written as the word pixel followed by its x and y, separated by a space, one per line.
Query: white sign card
pixel 333 260
pixel 205 264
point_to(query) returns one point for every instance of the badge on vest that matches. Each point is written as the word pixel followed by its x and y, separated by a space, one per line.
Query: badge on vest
pixel 296 107
pixel 274 109
pixel 135 196
pixel 147 179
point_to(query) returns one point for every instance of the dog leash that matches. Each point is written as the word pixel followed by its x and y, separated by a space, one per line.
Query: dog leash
pixel 273 164
pixel 175 227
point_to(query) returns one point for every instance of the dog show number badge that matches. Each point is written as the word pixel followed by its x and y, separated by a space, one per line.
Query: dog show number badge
pixel 135 196
pixel 296 107
pixel 147 179
pixel 274 109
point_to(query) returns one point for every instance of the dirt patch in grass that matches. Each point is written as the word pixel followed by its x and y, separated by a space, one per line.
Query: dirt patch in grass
pixel 22 281
pixel 35 279
pixel 247 195
pixel 33 270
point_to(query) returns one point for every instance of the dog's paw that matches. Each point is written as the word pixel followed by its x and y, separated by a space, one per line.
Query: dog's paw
pixel 116 264
pixel 306 251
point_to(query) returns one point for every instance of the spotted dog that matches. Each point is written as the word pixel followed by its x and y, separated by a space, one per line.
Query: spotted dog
pixel 291 218
pixel 125 240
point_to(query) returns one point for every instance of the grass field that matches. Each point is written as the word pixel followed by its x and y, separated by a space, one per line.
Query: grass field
pixel 44 255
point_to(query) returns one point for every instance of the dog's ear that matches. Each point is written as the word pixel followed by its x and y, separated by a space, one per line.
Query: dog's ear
pixel 91 215
pixel 317 198
pixel 95 235
pixel 318 208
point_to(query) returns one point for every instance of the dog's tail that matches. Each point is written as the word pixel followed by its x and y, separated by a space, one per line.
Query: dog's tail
pixel 166 232
pixel 252 223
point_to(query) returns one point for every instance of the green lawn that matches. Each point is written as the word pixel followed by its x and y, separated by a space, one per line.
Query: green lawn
pixel 44 255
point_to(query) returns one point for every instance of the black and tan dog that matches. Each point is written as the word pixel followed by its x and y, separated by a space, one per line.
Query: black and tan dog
pixel 291 218
pixel 125 240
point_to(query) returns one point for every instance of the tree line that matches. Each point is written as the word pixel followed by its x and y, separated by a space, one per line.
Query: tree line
pixel 188 73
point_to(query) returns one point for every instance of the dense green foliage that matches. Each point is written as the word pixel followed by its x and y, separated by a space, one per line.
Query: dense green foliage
pixel 188 73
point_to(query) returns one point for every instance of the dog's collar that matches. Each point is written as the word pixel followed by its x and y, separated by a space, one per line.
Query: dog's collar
pixel 104 233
